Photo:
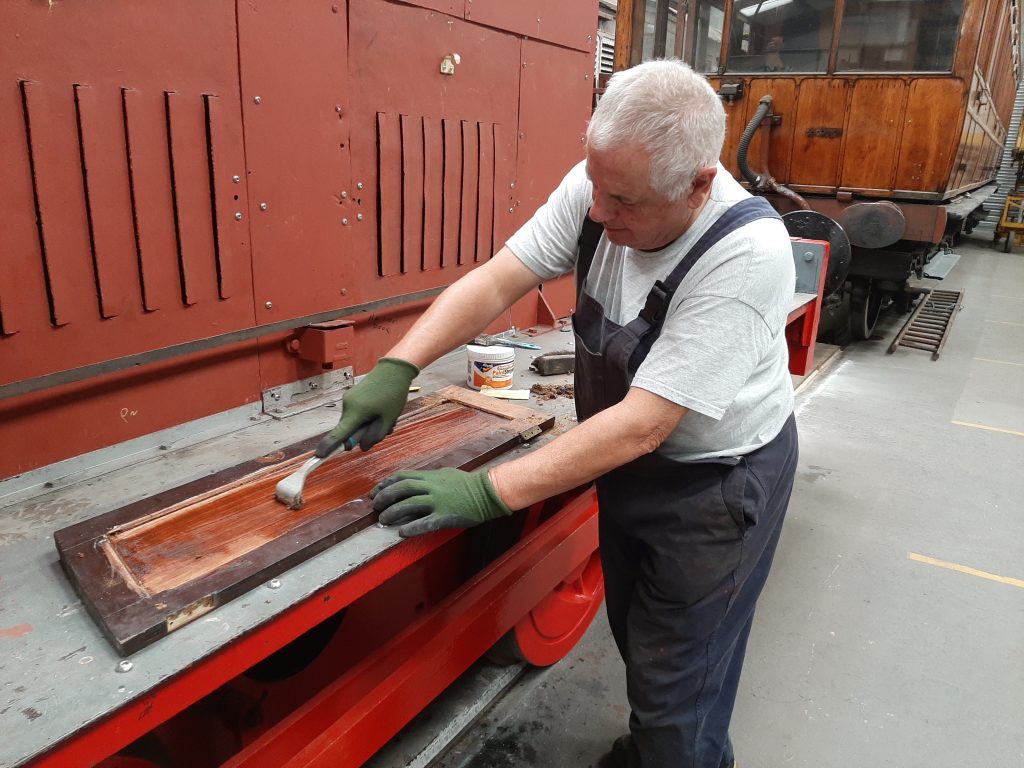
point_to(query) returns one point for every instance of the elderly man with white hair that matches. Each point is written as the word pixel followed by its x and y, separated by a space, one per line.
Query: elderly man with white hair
pixel 685 402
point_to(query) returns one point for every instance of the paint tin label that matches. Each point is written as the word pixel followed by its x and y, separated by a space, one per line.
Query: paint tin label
pixel 490 366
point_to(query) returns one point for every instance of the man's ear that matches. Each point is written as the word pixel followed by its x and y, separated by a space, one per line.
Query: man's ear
pixel 700 189
pixel 702 185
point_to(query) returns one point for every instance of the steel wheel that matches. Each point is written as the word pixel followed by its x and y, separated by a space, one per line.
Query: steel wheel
pixel 865 307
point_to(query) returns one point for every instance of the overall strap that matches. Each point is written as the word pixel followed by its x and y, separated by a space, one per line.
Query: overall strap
pixel 590 236
pixel 740 214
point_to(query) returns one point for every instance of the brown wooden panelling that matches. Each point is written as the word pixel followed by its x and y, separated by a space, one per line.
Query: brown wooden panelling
pixel 928 145
pixel 784 104
pixel 970 37
pixel 485 209
pixel 821 112
pixel 959 168
pixel 148 569
pixel 993 19
pixel 872 133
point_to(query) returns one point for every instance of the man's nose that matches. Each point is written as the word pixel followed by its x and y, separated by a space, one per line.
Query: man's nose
pixel 602 208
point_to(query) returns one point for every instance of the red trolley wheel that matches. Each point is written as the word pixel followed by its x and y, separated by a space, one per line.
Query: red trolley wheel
pixel 555 625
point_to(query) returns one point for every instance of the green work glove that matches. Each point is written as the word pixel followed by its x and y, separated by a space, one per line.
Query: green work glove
pixel 427 500
pixel 370 409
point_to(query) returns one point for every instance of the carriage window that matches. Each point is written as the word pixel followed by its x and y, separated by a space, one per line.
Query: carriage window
pixel 703 44
pixel 901 36
pixel 780 35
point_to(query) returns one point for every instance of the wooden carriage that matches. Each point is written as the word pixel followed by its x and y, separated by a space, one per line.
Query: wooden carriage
pixel 888 116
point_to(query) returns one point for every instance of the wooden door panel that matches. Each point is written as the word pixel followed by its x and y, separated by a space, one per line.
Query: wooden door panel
pixel 928 146
pixel 818 139
pixel 872 132
pixel 150 568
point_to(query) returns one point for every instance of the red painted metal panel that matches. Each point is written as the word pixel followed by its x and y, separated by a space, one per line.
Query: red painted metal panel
pixel 505 193
pixel 224 191
pixel 470 191
pixel 98 740
pixel 23 301
pixel 294 62
pixel 485 217
pixel 108 198
pixel 152 198
pixel 433 192
pixel 572 23
pixel 389 164
pixel 190 179
pixel 452 214
pixel 482 90
pixel 556 89
pixel 451 7
pixel 412 193
pixel 357 713
pixel 555 92
pixel 56 161
pixel 117 58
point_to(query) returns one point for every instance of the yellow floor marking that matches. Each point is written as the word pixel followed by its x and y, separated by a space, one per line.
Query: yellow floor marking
pixel 1005 322
pixel 966 569
pixel 986 427
pixel 1000 362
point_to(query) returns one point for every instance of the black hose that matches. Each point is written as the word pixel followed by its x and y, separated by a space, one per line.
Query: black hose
pixel 748 134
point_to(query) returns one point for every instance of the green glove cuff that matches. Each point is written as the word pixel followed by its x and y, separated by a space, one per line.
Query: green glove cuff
pixel 396 366
pixel 488 488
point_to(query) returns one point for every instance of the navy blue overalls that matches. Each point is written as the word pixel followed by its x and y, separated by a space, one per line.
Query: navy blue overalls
pixel 686 546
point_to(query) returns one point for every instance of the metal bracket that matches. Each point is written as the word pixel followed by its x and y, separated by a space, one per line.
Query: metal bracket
pixel 529 434
pixel 307 394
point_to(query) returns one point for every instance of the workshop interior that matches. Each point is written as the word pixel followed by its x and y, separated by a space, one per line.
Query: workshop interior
pixel 218 215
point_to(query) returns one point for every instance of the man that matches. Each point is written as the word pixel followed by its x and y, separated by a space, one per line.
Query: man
pixel 685 401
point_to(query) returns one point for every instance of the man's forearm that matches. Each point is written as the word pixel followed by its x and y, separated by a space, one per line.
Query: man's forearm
pixel 465 309
pixel 611 438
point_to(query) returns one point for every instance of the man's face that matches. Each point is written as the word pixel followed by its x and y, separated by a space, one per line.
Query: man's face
pixel 633 214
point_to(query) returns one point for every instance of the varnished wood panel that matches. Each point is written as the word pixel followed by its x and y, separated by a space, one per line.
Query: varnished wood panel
pixel 149 568
pixel 821 104
pixel 873 133
pixel 928 146
pixel 740 112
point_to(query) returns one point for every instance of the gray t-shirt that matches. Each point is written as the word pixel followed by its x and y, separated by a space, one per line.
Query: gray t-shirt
pixel 722 351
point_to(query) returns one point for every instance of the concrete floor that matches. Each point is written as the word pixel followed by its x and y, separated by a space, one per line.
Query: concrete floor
pixel 891 631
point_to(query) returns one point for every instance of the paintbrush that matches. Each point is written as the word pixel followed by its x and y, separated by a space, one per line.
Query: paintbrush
pixel 289 490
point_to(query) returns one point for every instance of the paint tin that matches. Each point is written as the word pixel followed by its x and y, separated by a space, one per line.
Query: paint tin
pixel 490 366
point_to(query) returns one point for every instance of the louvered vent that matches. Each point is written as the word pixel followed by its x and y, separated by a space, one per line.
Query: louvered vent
pixel 125 202
pixel 435 192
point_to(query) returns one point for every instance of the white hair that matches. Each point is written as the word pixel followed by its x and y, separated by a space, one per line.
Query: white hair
pixel 672 112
